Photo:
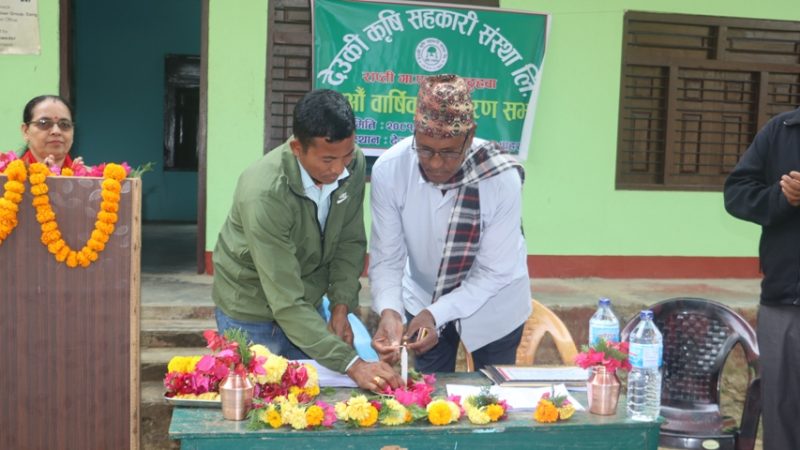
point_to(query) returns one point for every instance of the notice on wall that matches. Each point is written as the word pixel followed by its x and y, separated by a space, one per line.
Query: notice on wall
pixel 19 27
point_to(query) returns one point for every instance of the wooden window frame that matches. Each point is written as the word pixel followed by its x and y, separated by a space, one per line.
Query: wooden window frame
pixel 694 91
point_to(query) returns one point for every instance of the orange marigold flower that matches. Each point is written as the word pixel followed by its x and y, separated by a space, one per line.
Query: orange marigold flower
pixel 95 245
pixel 39 189
pixel 314 416
pixel 56 246
pixel 82 259
pixel 92 255
pixel 41 201
pixel 107 217
pixel 106 228
pixel 111 185
pixel 495 412
pixel 66 172
pixel 110 207
pixel 62 254
pixel 15 170
pixel 372 417
pixel 99 236
pixel 110 196
pixel 14 186
pixel 439 413
pixel 72 259
pixel 37 178
pixel 38 168
pixel 45 216
pixel 13 197
pixel 7 205
pixel 114 171
pixel 546 412
pixel 49 237
pixel 49 226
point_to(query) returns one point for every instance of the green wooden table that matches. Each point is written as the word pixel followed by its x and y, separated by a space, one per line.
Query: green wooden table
pixel 203 428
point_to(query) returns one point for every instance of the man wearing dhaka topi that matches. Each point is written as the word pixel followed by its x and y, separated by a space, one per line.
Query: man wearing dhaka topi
pixel 447 253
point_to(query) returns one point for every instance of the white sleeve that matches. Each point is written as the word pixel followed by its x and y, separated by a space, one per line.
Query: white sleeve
pixel 387 249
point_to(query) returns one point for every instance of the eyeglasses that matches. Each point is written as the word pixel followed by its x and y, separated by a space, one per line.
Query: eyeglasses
pixel 427 153
pixel 45 124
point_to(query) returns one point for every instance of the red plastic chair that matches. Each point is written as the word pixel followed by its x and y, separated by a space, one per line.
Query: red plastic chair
pixel 699 335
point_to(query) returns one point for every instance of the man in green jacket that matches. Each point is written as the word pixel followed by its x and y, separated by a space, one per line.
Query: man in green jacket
pixel 295 232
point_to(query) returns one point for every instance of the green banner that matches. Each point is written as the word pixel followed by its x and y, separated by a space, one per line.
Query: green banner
pixel 375 53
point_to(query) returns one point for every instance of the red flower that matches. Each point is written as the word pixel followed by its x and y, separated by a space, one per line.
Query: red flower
pixel 612 355
pixel 214 340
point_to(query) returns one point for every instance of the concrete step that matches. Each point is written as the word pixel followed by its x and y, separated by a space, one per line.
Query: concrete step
pixel 176 289
pixel 175 333
pixel 177 312
pixel 156 415
pixel 154 360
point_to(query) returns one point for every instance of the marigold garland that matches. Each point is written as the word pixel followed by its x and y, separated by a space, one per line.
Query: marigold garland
pixel 9 202
pixel 104 226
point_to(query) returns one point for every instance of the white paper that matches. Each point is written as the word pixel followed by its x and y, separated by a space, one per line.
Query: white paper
pixel 329 378
pixel 519 398
pixel 19 27
pixel 544 373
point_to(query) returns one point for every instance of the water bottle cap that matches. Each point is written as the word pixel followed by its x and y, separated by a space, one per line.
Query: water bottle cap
pixel 604 301
pixel 646 314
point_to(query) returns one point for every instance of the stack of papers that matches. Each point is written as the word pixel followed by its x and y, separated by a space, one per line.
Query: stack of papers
pixel 536 376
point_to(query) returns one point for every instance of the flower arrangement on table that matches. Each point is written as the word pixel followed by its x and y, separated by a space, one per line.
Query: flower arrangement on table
pixel 552 408
pixel 485 407
pixel 613 356
pixel 198 377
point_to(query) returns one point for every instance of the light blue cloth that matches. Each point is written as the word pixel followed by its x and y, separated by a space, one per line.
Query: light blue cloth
pixel 362 341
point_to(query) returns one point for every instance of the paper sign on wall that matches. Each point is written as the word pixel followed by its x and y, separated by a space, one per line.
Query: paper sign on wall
pixel 19 27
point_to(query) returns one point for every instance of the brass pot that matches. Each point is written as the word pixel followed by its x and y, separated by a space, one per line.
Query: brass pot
pixel 602 390
pixel 236 394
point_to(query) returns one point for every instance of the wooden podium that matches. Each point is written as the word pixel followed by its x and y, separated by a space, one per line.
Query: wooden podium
pixel 69 337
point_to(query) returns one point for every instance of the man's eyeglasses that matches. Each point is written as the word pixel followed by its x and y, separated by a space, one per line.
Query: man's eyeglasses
pixel 447 155
pixel 46 124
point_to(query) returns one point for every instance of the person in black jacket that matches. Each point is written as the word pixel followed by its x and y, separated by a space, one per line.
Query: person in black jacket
pixel 764 188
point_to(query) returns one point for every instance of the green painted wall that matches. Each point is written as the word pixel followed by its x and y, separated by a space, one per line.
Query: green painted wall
pixel 26 76
pixel 570 204
pixel 119 92
pixel 237 48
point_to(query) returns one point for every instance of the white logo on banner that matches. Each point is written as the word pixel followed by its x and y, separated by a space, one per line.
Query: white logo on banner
pixel 431 54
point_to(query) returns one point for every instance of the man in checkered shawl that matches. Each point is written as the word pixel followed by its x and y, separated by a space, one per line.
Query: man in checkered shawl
pixel 447 254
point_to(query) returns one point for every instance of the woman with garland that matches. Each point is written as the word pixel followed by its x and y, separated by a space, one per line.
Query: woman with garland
pixel 48 130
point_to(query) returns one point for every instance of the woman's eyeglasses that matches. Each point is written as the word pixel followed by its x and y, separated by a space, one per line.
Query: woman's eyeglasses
pixel 427 153
pixel 46 124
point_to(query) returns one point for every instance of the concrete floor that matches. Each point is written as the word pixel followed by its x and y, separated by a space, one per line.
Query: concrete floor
pixel 169 276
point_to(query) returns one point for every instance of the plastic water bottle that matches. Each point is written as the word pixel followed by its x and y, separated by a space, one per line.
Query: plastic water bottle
pixel 604 323
pixel 644 380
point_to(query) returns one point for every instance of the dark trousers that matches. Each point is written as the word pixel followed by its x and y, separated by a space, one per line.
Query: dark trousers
pixel 442 357
pixel 779 347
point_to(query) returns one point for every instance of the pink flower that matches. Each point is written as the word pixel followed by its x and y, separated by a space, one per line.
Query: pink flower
pixel 330 414
pixel 611 355
pixel 6 158
pixel 419 393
